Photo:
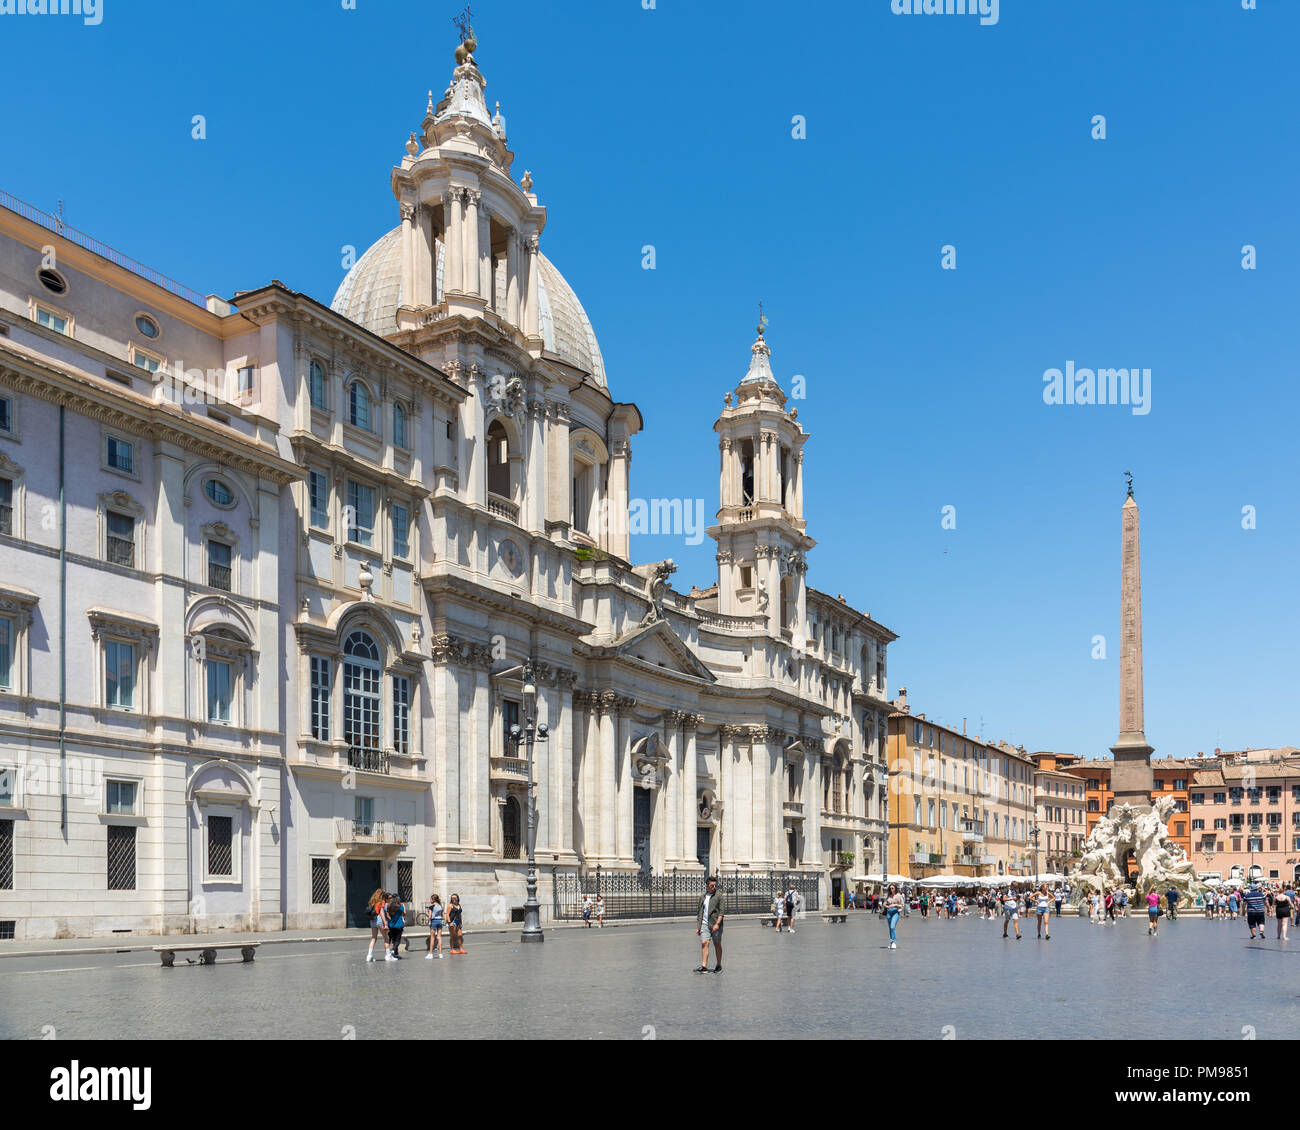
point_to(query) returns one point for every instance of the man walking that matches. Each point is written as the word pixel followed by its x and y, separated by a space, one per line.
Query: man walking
pixel 708 919
pixel 1256 908
pixel 789 909
pixel 1171 900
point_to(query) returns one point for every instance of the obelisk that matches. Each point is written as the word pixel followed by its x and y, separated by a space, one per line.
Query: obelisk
pixel 1131 778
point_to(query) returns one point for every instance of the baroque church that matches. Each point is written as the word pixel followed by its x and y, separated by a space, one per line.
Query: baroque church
pixel 308 619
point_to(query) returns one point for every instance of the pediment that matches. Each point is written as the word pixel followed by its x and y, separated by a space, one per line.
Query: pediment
pixel 658 645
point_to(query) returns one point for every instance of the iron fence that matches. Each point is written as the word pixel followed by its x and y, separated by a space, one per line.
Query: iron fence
pixel 670 894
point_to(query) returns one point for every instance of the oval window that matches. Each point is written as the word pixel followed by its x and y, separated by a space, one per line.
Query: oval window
pixel 219 493
pixel 146 325
pixel 52 281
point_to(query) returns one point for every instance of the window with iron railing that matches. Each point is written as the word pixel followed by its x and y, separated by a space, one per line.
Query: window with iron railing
pixel 219 565
pixel 6 506
pixel 120 543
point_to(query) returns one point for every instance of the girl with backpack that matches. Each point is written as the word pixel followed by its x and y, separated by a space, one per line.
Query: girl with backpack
pixel 453 925
pixel 378 922
pixel 396 924
pixel 435 928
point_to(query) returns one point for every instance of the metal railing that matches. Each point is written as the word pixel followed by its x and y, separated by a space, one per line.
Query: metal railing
pixel 219 576
pixel 372 760
pixel 6 519
pixel 56 225
pixel 120 551
pixel 379 832
pixel 628 894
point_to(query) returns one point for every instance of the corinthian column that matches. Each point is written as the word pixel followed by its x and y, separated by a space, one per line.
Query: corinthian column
pixel 452 264
pixel 512 278
pixel 690 789
pixel 470 270
pixel 532 323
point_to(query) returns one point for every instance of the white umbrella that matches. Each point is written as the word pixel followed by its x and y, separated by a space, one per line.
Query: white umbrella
pixel 896 879
pixel 1212 882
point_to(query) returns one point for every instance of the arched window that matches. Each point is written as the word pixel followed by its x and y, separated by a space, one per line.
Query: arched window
pixel 317 390
pixel 510 825
pixel 837 788
pixel 399 426
pixel 362 702
pixel 359 405
pixel 747 472
pixel 498 460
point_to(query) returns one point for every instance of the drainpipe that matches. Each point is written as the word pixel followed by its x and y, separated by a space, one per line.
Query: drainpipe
pixel 63 639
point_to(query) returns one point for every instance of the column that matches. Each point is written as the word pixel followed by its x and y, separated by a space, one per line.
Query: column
pixel 485 254
pixel 512 277
pixel 671 808
pixel 568 737
pixel 409 255
pixel 690 789
pixel 451 268
pixel 625 786
pixel 615 534
pixel 534 485
pixel 532 324
pixel 608 783
pixel 472 268
pixel 724 848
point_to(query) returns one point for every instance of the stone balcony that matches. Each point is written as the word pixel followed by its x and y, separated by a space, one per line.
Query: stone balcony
pixel 792 810
pixel 502 507
pixel 381 833
pixel 513 769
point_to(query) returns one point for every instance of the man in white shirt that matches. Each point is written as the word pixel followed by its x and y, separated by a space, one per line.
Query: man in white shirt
pixel 1010 912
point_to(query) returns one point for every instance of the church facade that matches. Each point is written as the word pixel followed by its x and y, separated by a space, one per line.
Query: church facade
pixel 310 556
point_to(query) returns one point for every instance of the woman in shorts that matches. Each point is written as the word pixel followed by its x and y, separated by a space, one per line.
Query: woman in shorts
pixel 1041 903
pixel 453 926
pixel 1282 904
pixel 1153 913
pixel 435 928
pixel 378 922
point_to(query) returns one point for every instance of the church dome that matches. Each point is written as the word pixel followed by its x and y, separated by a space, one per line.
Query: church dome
pixel 372 292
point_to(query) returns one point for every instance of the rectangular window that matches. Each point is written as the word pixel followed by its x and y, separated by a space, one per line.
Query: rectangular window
pixel 1198 825
pixel 120 543
pixel 320 698
pixel 401 531
pixel 916 733
pixel 318 385
pixel 221 680
pixel 51 321
pixel 363 812
pixel 406 880
pixel 1254 843
pixel 1274 794
pixel 318 490
pixel 142 360
pixel 219 565
pixel 246 379
pixel 220 855
pixel 6 653
pixel 6 506
pixel 361 513
pixel 1180 783
pixel 6 415
pixel 8 779
pixel 509 718
pixel 320 882
pixel 120 455
pixel 1220 798
pixel 119 674
pixel 6 855
pixel 401 714
pixel 120 797
pixel 1198 798
pixel 121 858
pixel 1275 820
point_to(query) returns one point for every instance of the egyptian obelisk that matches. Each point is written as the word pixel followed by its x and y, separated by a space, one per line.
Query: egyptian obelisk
pixel 1131 779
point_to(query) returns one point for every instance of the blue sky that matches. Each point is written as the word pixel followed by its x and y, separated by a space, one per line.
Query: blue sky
pixel 672 127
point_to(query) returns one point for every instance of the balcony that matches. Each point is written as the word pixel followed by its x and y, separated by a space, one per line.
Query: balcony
pixel 219 576
pixel 513 769
pixel 972 831
pixel 371 760
pixel 6 519
pixel 792 810
pixel 502 507
pixel 918 857
pixel 381 833
pixel 120 551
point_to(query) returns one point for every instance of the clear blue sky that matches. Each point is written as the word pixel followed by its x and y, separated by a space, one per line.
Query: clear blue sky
pixel 673 127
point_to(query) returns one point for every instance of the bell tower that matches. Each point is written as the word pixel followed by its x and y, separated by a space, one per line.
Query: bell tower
pixel 762 546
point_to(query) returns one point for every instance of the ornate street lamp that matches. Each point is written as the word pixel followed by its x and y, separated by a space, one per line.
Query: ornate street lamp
pixel 529 732
pixel 1033 835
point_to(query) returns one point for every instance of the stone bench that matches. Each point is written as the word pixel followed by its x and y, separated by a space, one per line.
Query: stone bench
pixel 206 950
pixel 836 916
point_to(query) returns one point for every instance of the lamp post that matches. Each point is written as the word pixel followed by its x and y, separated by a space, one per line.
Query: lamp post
pixel 1033 835
pixel 528 733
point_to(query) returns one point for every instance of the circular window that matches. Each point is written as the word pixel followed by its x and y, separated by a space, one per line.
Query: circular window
pixel 52 281
pixel 219 493
pixel 147 326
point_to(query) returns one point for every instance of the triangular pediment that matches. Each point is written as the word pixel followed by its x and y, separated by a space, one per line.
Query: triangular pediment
pixel 658 645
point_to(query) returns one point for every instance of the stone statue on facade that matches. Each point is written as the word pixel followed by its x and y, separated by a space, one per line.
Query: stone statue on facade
pixel 657 589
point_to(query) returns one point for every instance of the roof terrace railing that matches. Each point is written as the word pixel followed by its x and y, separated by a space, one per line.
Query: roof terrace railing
pixel 90 243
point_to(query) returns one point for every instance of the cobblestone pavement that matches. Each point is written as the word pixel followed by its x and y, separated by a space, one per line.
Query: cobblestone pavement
pixel 1197 980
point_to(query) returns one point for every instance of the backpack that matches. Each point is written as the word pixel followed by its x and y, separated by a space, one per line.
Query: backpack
pixel 394 908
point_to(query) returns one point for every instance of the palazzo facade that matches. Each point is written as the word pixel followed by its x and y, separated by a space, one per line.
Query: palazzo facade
pixel 307 556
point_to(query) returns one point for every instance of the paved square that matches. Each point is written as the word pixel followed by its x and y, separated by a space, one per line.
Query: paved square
pixel 1198 980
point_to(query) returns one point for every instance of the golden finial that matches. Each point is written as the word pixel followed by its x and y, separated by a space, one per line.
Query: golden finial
pixel 762 320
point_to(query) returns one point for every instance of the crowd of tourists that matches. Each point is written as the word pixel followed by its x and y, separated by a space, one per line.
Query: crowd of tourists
pixel 388 921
